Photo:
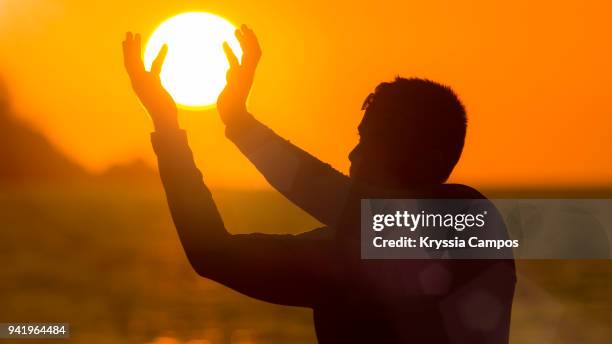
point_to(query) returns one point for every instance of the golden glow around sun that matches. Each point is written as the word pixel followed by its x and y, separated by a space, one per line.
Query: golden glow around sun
pixel 195 67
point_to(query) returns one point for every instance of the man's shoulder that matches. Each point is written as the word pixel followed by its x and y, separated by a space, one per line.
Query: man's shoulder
pixel 459 191
pixel 437 191
pixel 321 233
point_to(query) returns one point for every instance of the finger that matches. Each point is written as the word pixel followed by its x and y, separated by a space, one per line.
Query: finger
pixel 231 57
pixel 241 40
pixel 128 37
pixel 131 54
pixel 137 42
pixel 250 39
pixel 251 51
pixel 159 60
pixel 248 33
pixel 128 44
pixel 239 35
pixel 125 45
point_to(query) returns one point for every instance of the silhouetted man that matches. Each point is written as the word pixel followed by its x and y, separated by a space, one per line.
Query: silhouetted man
pixel 411 137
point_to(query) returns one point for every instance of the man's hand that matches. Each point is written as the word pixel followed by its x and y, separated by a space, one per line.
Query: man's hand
pixel 147 85
pixel 231 103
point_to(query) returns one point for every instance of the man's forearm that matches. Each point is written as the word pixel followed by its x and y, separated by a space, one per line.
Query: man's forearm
pixel 311 184
pixel 164 121
pixel 195 215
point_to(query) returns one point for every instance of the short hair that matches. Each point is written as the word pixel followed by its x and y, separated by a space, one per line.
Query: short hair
pixel 420 120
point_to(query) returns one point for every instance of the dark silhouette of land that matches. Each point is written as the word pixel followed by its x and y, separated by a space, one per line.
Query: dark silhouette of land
pixel 29 157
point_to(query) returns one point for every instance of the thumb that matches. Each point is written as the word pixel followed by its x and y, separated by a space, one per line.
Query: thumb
pixel 157 64
pixel 231 57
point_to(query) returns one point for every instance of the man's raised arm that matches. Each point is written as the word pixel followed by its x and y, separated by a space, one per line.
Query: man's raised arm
pixel 311 184
pixel 283 269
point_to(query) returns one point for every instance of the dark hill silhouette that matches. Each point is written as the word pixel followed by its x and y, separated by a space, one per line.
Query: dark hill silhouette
pixel 135 171
pixel 26 155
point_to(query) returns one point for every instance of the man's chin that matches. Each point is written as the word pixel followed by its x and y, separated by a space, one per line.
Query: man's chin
pixel 352 173
pixel 355 173
pixel 361 177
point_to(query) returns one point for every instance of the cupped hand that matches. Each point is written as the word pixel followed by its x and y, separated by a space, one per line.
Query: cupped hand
pixel 231 103
pixel 147 84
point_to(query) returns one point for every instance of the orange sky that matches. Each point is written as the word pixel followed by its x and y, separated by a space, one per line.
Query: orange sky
pixel 535 76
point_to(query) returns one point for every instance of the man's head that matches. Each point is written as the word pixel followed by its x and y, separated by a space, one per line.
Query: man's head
pixel 411 134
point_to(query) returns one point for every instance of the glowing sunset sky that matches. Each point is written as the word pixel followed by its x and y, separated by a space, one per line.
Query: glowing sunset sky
pixel 535 76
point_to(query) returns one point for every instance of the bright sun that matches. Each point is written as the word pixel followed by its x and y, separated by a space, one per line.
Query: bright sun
pixel 195 67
